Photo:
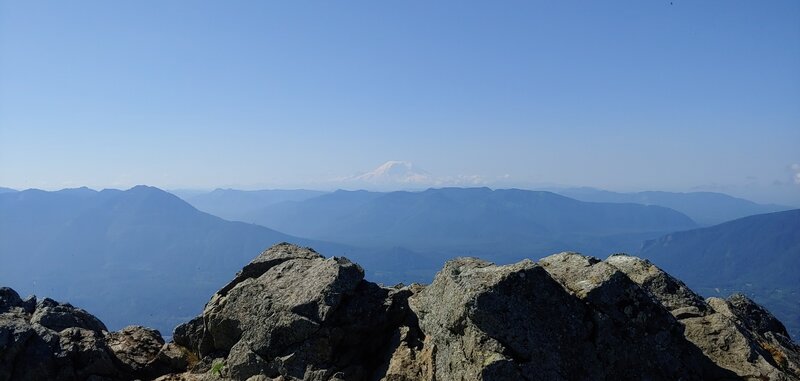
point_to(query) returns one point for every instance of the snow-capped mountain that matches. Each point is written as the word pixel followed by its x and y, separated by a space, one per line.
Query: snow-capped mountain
pixel 403 175
pixel 397 172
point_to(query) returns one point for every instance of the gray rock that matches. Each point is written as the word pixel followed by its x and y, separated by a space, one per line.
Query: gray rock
pixel 755 317
pixel 135 348
pixel 292 314
pixel 633 333
pixel 673 294
pixel 60 342
pixel 9 299
pixel 172 357
pixel 190 335
pixel 483 321
pixel 736 334
pixel 18 343
pixel 87 353
pixel 59 317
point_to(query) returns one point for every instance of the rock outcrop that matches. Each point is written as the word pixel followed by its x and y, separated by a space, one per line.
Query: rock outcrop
pixel 292 314
pixel 47 340
pixel 735 333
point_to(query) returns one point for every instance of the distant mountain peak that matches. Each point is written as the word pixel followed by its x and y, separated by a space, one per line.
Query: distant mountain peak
pixel 78 191
pixel 395 171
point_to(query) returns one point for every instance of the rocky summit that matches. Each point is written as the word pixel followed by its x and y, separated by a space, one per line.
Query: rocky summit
pixel 292 314
pixel 47 340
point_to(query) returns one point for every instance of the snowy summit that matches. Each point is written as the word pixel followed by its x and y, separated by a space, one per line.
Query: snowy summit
pixel 396 172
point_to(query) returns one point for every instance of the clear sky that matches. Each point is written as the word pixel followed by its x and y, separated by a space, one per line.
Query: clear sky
pixel 636 95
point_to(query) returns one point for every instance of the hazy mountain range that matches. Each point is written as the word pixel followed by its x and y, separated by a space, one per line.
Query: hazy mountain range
pixel 146 256
pixel 705 208
pixel 232 204
pixel 517 222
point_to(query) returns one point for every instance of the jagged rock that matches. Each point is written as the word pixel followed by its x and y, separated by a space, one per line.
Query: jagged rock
pixel 190 334
pixel 18 344
pixel 30 351
pixel 487 322
pixel 755 317
pixel 737 334
pixel 410 359
pixel 136 349
pixel 53 341
pixel 633 334
pixel 672 293
pixel 59 317
pixel 173 356
pixel 9 300
pixel 292 314
pixel 87 353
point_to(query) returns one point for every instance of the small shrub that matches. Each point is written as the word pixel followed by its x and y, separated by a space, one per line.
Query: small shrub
pixel 216 369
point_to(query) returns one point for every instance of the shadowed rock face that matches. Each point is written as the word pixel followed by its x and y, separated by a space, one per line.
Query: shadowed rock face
pixel 507 322
pixel 735 333
pixel 53 341
pixel 292 314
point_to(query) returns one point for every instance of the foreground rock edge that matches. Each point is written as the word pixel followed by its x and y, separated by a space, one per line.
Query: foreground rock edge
pixel 292 314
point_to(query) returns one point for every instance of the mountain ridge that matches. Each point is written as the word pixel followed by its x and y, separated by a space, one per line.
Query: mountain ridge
pixel 706 208
pixel 440 216
pixel 233 204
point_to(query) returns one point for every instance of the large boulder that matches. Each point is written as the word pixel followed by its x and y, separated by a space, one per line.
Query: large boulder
pixel 487 322
pixel 141 352
pixel 86 353
pixel 58 317
pixel 633 334
pixel 294 313
pixel 24 354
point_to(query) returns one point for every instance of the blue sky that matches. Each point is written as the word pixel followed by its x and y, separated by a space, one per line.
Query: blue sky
pixel 618 95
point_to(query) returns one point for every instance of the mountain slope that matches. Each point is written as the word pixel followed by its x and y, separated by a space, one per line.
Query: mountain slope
pixel 759 255
pixel 232 204
pixel 706 208
pixel 139 255
pixel 471 218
